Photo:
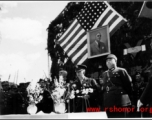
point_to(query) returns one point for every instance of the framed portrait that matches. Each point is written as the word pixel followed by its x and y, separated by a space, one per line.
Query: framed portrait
pixel 98 41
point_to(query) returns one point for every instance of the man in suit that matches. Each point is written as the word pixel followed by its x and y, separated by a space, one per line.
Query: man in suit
pixel 98 47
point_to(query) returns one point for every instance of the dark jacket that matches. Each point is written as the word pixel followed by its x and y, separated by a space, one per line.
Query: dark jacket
pixel 138 90
pixel 79 104
pixel 95 50
pixel 117 84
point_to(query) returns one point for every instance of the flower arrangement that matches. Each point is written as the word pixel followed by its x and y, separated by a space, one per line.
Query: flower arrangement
pixel 34 91
pixel 59 93
pixel 60 96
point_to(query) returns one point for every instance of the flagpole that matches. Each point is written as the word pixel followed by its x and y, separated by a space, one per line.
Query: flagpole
pixel 151 34
pixel 14 77
pixel 48 66
pixel 17 77
pixel 9 77
pixel 151 27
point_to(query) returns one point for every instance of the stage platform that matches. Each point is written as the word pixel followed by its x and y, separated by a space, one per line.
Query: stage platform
pixel 41 115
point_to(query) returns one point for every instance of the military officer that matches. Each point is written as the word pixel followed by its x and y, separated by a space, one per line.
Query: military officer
pixel 117 87
pixel 85 91
pixel 139 86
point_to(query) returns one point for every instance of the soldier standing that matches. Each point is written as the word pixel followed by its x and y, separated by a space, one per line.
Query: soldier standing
pixel 85 90
pixel 101 93
pixel 139 86
pixel 117 88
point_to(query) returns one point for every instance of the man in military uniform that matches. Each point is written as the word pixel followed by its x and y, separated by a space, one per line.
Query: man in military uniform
pixel 117 88
pixel 101 93
pixel 85 90
pixel 139 86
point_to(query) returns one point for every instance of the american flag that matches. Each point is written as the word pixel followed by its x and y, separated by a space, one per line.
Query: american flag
pixel 93 15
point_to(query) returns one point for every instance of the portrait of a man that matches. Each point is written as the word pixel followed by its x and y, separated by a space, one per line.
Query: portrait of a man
pixel 98 42
pixel 98 46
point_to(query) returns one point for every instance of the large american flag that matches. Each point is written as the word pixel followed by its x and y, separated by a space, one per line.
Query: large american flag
pixel 93 15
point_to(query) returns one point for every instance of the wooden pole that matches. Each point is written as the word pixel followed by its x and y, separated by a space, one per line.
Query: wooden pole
pixel 151 27
pixel 48 66
pixel 9 77
pixel 14 77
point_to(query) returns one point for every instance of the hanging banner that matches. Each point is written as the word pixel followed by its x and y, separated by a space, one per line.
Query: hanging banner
pixel 134 50
pixel 146 10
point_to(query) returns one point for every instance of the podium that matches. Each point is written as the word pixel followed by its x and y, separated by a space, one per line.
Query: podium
pixel 86 115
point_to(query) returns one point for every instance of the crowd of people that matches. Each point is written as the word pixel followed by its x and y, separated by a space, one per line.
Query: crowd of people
pixel 115 92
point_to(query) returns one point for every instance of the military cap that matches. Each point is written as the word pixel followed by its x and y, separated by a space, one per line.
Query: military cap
pixel 80 67
pixel 63 73
pixel 138 74
pixel 111 56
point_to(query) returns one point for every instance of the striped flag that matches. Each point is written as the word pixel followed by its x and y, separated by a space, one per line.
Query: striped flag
pixel 92 15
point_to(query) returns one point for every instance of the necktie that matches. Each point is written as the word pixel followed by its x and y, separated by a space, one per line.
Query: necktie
pixel 99 45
